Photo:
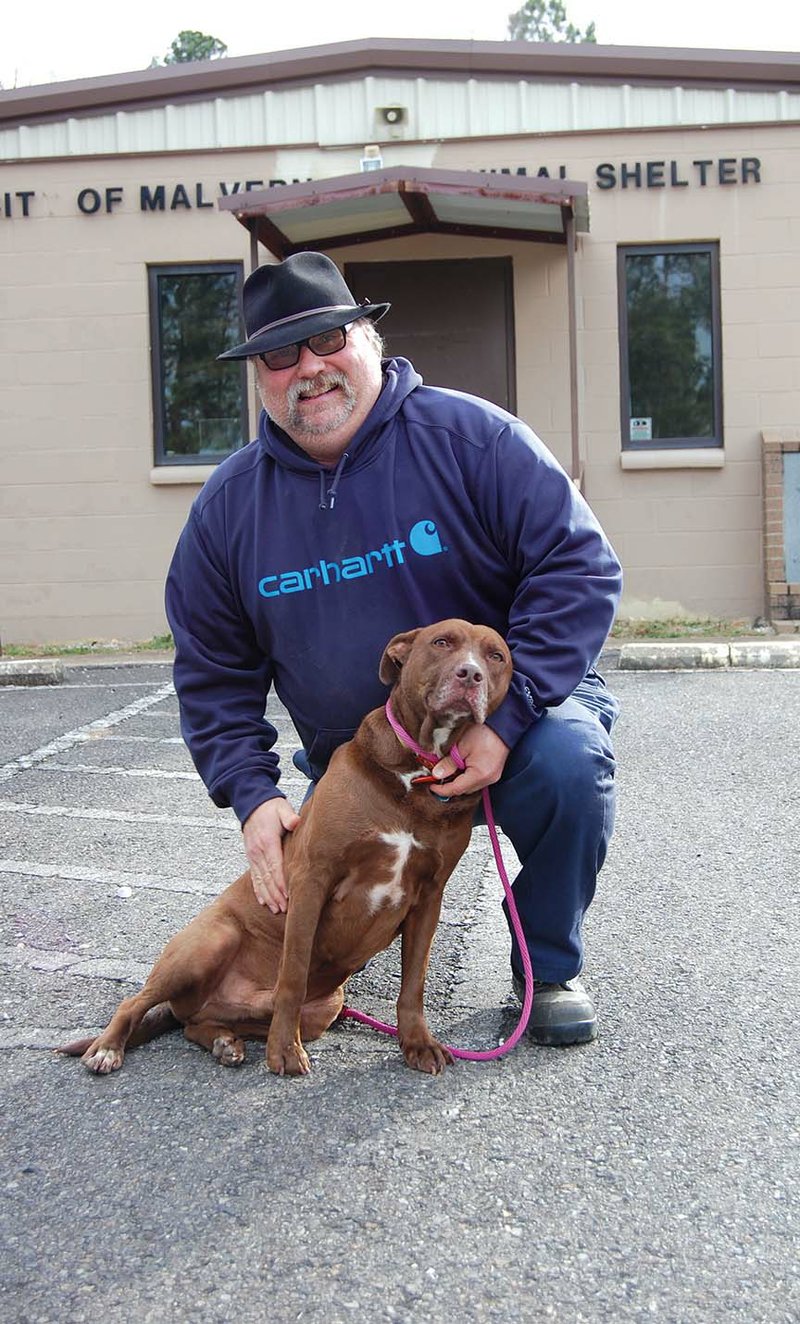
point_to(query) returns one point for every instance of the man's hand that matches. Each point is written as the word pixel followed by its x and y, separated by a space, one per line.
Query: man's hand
pixel 485 755
pixel 263 834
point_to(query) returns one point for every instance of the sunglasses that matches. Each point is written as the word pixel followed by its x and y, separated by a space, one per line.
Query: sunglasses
pixel 327 342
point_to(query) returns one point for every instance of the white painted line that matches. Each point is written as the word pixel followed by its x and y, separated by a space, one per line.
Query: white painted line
pixel 46 1037
pixel 170 716
pixel 117 816
pixel 143 740
pixel 86 732
pixel 77 963
pixel 113 878
pixel 96 770
pixel 94 685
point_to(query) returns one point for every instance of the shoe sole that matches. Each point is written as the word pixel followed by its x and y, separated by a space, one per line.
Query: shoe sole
pixel 565 1037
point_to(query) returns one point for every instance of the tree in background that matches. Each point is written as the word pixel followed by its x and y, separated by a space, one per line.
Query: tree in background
pixel 545 20
pixel 189 46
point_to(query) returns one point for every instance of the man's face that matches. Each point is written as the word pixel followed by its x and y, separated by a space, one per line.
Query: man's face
pixel 322 402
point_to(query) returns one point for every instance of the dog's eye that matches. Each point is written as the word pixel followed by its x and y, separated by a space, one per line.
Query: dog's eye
pixel 441 642
pixel 497 656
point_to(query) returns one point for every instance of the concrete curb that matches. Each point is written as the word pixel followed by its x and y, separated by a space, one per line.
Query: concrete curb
pixel 682 655
pixel 31 671
pixel 755 654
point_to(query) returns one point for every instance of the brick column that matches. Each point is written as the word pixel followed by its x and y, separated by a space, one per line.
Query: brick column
pixel 782 597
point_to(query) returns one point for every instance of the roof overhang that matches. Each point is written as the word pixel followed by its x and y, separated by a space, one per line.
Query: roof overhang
pixel 402 200
pixel 583 62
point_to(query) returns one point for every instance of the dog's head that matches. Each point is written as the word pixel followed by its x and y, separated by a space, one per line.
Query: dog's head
pixel 449 672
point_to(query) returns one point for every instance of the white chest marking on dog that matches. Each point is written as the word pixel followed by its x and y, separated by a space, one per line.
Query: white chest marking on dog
pixel 392 892
pixel 440 736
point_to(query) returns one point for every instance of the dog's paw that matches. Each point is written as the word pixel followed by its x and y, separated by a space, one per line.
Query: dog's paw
pixel 427 1055
pixel 288 1059
pixel 228 1052
pixel 102 1060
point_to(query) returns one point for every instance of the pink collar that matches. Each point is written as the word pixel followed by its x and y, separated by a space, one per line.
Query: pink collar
pixel 429 760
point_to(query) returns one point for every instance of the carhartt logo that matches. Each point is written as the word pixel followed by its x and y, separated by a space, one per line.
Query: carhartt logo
pixel 423 539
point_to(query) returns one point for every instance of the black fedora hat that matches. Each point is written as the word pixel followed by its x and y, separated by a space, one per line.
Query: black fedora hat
pixel 284 302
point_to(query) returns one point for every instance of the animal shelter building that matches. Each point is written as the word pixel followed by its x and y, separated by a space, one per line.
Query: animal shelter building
pixel 604 240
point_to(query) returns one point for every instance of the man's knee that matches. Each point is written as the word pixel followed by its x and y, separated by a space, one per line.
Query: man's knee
pixel 570 754
pixel 560 777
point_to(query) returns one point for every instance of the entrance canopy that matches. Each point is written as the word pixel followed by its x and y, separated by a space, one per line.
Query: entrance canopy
pixel 403 200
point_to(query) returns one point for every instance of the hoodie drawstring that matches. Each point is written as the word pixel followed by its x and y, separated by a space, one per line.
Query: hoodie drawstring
pixel 327 495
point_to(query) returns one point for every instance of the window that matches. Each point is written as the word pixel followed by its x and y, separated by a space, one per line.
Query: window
pixel 670 357
pixel 199 405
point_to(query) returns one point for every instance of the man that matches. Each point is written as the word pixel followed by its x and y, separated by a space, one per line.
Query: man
pixel 370 504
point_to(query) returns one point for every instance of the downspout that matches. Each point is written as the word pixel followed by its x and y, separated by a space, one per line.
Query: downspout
pixel 255 402
pixel 576 470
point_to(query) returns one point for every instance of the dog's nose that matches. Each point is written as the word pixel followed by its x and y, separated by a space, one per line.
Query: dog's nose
pixel 470 674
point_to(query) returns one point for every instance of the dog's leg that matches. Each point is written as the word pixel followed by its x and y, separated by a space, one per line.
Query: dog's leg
pixel 159 1020
pixel 420 1049
pixel 190 965
pixel 318 1015
pixel 285 1053
pixel 106 1052
pixel 220 1041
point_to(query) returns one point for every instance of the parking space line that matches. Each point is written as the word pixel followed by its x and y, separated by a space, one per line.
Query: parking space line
pixel 143 740
pixel 88 685
pixel 115 878
pixel 112 770
pixel 170 716
pixel 117 816
pixel 81 733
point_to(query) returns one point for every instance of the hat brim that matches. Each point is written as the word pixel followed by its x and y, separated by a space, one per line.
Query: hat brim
pixel 301 328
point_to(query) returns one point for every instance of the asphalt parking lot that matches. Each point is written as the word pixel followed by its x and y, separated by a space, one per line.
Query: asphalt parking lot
pixel 650 1175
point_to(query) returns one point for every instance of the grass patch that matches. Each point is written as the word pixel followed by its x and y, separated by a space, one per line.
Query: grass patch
pixel 682 627
pixel 160 643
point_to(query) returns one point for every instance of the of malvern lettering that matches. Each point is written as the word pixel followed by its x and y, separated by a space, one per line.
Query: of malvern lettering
pixel 166 197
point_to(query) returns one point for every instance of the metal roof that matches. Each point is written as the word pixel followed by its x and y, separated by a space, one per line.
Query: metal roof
pixel 401 200
pixel 581 62
pixel 334 97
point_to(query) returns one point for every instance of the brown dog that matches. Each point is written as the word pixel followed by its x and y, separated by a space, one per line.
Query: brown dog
pixel 368 860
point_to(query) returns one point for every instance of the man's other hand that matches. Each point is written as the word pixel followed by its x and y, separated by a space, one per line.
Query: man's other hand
pixel 485 755
pixel 263 834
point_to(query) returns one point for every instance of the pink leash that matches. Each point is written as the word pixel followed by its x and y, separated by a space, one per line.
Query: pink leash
pixel 348 1013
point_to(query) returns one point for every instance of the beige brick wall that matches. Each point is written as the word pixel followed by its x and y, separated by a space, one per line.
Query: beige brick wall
pixel 691 539
pixel 85 535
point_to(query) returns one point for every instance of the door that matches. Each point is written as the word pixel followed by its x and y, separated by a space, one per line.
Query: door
pixel 453 319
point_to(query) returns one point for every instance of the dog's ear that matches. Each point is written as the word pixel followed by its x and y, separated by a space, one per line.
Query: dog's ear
pixel 394 655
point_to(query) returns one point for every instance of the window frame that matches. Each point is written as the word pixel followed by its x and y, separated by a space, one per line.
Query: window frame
pixel 161 459
pixel 716 440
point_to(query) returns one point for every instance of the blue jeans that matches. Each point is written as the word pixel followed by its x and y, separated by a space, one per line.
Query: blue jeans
pixel 555 803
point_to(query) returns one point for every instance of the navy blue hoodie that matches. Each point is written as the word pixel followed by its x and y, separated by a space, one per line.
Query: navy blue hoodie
pixel 292 575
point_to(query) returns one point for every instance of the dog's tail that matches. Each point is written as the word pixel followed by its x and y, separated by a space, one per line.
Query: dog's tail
pixel 158 1020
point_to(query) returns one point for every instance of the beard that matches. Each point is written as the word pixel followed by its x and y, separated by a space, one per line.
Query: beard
pixel 294 422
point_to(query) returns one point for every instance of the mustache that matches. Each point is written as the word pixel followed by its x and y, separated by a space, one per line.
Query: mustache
pixel 324 381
